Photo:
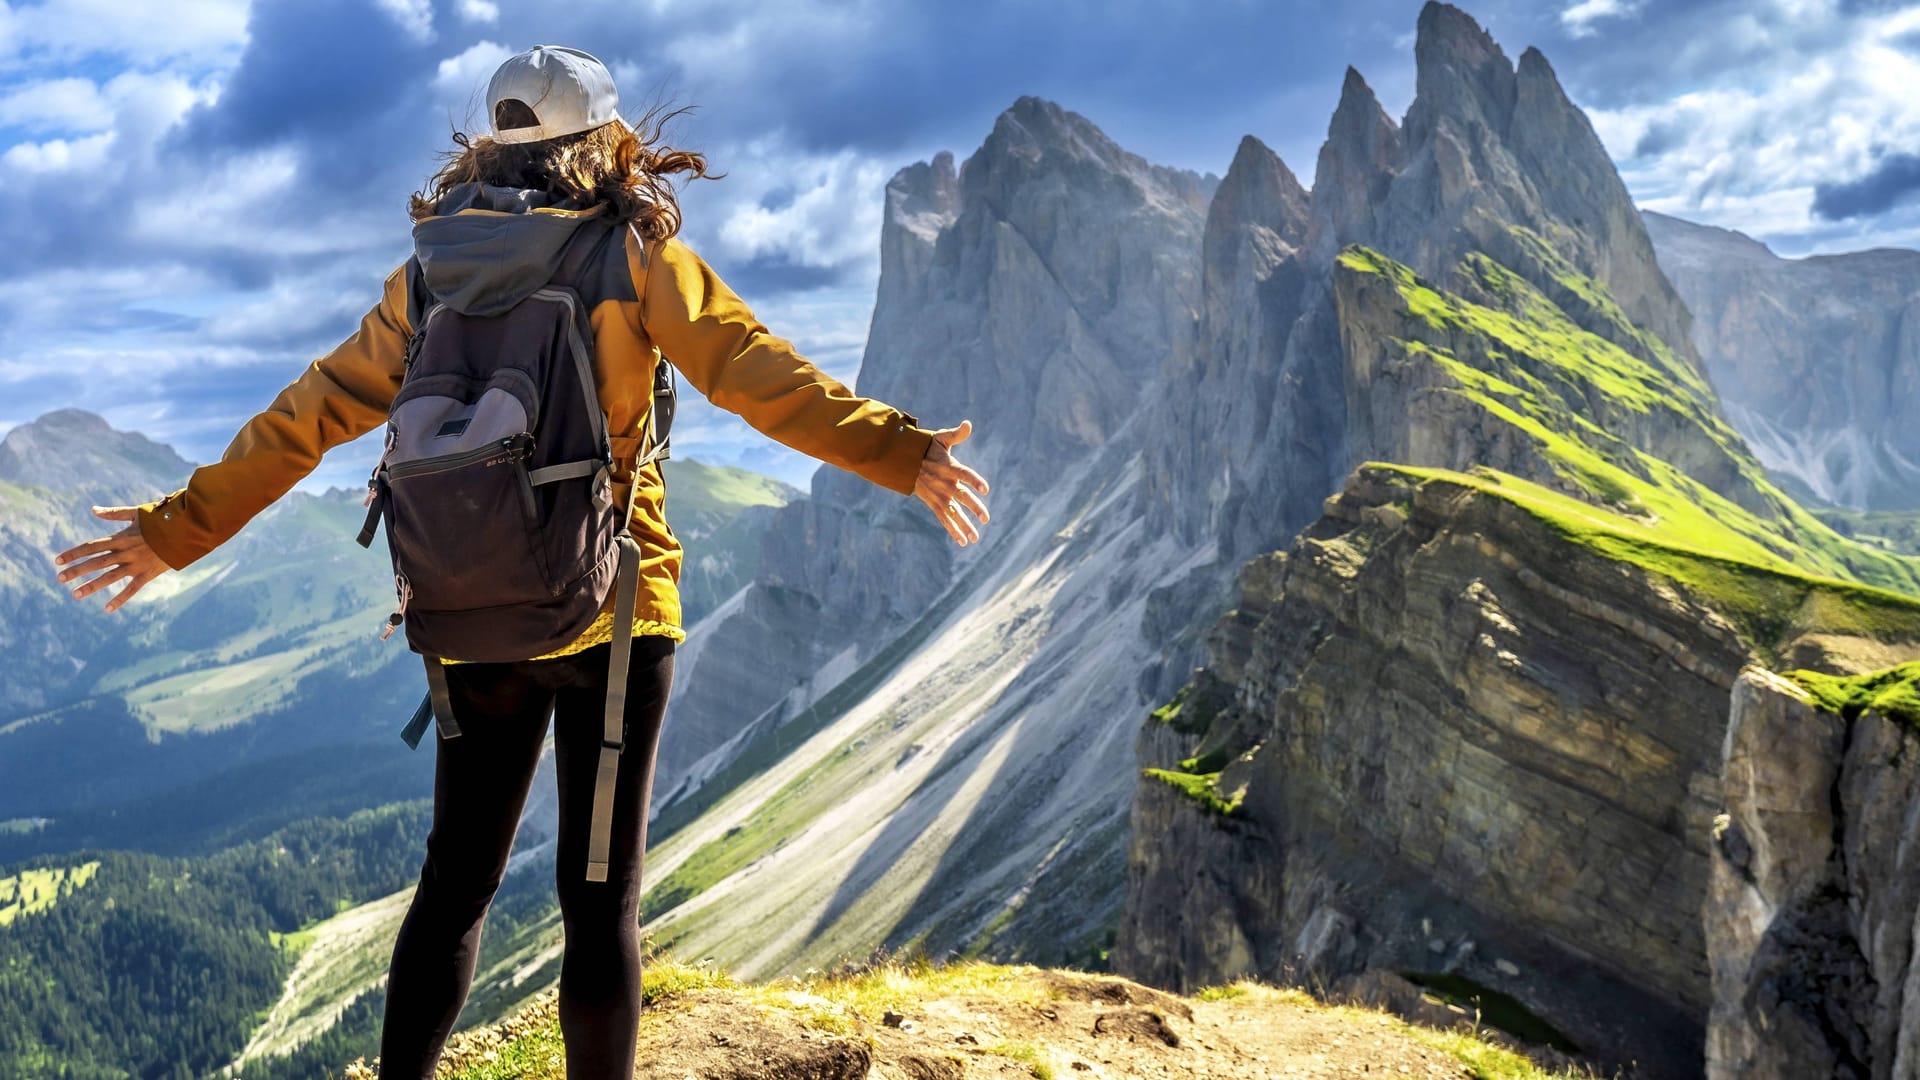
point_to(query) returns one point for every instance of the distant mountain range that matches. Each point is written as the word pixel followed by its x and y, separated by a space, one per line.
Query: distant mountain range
pixel 209 709
pixel 1816 360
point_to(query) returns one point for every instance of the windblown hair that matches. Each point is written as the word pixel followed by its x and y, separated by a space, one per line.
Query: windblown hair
pixel 607 165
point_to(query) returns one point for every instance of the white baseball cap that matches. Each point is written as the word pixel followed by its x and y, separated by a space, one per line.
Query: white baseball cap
pixel 568 90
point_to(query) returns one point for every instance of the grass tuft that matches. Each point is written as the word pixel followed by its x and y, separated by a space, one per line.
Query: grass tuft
pixel 1892 692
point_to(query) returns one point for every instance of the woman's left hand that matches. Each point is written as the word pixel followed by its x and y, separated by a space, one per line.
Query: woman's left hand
pixel 947 486
pixel 124 556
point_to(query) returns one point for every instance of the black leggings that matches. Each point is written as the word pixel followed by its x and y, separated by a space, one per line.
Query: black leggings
pixel 480 785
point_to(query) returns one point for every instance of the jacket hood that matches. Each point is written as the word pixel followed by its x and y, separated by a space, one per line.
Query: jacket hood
pixel 486 248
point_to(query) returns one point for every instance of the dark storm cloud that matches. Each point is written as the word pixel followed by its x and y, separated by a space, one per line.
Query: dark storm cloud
pixel 1893 180
pixel 323 72
pixel 773 274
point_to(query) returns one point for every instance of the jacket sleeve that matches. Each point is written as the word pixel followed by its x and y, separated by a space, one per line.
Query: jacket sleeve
pixel 340 397
pixel 708 333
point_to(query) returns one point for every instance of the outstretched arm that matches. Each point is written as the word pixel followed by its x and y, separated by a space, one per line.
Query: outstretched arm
pixel 708 333
pixel 340 397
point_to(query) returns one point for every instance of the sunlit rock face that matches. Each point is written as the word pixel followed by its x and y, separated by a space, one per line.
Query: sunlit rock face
pixel 1044 288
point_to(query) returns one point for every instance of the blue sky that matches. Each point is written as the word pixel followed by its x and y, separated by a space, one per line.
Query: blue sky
pixel 200 197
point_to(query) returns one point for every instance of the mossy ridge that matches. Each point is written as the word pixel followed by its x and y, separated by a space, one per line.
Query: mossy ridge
pixel 1193 707
pixel 1202 788
pixel 1763 600
pixel 1598 301
pixel 1552 379
pixel 1892 692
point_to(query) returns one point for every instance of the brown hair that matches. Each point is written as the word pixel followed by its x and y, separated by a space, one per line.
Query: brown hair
pixel 607 165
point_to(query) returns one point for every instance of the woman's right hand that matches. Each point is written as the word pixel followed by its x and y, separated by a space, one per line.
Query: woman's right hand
pixel 124 556
pixel 946 486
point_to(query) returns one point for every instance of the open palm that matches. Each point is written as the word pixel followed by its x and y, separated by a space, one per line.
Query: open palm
pixel 950 488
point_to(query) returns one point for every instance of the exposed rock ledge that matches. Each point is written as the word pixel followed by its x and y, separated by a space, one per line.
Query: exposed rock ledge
pixel 1815 887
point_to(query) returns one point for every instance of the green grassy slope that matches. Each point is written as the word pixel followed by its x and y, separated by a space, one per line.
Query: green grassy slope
pixel 702 494
pixel 1590 406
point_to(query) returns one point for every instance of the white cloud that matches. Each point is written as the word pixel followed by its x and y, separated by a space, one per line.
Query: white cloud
pixel 59 155
pixel 415 17
pixel 206 32
pixel 69 106
pixel 1745 149
pixel 1579 18
pixel 479 11
pixel 829 210
pixel 184 219
pixel 460 83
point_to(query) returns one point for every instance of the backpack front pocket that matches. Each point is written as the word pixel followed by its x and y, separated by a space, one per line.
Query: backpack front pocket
pixel 463 528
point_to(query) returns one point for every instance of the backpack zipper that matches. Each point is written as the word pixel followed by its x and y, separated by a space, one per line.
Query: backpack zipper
pixel 512 448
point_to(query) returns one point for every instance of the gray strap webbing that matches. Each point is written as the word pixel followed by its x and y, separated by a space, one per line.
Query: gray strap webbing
pixel 564 472
pixel 613 737
pixel 442 700
pixel 417 726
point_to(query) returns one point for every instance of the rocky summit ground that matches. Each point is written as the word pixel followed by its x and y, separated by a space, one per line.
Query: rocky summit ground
pixel 896 1021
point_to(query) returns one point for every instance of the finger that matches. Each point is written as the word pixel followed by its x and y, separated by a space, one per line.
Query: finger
pixel 941 514
pixel 112 574
pixel 139 582
pixel 972 501
pixel 970 478
pixel 118 542
pixel 968 533
pixel 92 565
pixel 117 513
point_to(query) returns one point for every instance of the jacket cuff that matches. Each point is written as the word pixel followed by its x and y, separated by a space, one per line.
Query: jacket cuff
pixel 899 469
pixel 160 527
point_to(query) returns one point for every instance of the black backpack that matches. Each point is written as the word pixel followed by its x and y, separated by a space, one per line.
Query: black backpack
pixel 497 495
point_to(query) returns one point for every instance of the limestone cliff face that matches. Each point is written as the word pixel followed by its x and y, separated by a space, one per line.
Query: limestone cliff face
pixel 1458 743
pixel 1037 290
pixel 1810 919
pixel 1817 360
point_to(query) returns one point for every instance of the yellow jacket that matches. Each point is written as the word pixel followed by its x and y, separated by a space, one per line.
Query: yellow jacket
pixel 680 308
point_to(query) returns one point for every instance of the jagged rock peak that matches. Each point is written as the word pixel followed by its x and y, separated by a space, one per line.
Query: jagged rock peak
pixel 1445 34
pixel 1358 101
pixel 922 198
pixel 1360 125
pixel 1034 128
pixel 1460 71
pixel 1259 189
pixel 1036 135
pixel 1362 152
pixel 926 187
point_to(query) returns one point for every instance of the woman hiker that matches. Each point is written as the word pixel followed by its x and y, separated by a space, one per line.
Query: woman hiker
pixel 491 225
